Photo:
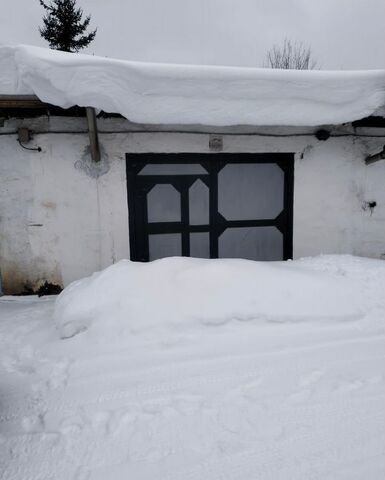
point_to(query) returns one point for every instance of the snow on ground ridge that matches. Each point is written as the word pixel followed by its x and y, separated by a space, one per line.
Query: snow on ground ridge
pixel 184 292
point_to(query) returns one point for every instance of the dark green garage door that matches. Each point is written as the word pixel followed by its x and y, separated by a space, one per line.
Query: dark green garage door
pixel 210 205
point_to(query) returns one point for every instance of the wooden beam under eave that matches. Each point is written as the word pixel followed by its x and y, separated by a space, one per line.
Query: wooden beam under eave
pixel 21 101
pixel 93 134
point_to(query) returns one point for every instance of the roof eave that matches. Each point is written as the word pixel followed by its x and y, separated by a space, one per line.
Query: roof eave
pixel 21 101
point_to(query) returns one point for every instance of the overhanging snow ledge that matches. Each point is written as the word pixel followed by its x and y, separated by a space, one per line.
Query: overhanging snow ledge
pixel 186 94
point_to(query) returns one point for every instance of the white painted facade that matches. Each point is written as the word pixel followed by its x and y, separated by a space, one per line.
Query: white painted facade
pixel 58 223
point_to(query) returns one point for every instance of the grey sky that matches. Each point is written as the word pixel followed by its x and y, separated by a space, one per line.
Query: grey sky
pixel 344 34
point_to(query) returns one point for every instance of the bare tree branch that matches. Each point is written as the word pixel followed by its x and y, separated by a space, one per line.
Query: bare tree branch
pixel 290 56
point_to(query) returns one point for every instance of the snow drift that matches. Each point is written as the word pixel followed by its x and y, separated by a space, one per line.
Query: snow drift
pixel 187 94
pixel 178 292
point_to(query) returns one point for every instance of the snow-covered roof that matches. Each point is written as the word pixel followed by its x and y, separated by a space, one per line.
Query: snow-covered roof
pixel 186 94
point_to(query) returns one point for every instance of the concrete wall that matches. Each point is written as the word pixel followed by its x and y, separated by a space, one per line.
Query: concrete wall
pixel 62 219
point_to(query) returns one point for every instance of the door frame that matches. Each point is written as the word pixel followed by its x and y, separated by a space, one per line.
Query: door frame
pixel 213 163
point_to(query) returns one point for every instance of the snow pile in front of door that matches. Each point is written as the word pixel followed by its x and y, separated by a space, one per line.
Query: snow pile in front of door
pixel 184 293
pixel 188 94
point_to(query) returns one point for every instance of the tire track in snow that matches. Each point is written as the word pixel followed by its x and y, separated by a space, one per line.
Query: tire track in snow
pixel 55 404
pixel 361 436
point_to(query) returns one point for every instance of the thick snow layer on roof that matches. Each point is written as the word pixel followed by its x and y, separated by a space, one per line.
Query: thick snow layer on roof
pixel 185 94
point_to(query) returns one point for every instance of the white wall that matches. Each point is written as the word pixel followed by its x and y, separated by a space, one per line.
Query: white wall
pixel 58 223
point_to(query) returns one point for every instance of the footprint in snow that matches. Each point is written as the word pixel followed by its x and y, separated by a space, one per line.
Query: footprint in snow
pixel 252 391
pixel 311 378
pixel 72 426
pixel 350 386
pixel 188 404
pixel 34 423
pixel 300 396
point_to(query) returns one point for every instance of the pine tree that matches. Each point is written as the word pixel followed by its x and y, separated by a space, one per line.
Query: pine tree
pixel 63 26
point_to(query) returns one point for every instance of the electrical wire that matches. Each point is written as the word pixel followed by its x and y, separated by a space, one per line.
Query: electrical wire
pixel 250 134
pixel 33 149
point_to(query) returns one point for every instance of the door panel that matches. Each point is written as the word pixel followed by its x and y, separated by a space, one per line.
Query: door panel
pixel 253 243
pixel 200 244
pixel 172 169
pixel 164 245
pixel 163 204
pixel 250 190
pixel 199 203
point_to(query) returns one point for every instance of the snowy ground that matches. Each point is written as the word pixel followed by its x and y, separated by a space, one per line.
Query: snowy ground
pixel 254 398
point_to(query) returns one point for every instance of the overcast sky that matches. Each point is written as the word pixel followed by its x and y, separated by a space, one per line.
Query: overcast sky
pixel 343 34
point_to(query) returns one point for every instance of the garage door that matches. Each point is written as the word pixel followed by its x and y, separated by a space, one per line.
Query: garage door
pixel 210 205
